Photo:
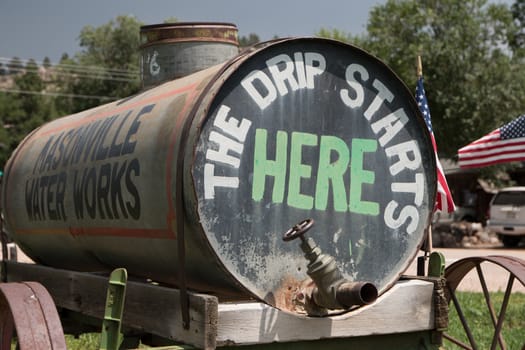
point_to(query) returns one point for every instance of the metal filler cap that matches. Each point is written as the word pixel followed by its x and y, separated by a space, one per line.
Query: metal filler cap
pixel 173 50
pixel 312 128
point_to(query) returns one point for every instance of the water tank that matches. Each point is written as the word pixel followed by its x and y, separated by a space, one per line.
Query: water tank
pixel 223 162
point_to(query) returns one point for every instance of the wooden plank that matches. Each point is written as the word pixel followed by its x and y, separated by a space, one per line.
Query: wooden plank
pixel 151 308
pixel 406 307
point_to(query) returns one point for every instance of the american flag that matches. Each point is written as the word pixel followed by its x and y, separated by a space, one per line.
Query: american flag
pixel 444 201
pixel 506 144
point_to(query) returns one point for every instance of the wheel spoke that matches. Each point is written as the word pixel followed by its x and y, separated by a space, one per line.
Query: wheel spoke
pixel 489 304
pixel 457 342
pixel 502 312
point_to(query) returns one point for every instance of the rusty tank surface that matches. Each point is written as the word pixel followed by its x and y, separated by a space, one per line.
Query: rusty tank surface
pixel 195 181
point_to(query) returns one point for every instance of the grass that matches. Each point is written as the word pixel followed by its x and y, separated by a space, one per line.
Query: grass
pixel 87 341
pixel 478 318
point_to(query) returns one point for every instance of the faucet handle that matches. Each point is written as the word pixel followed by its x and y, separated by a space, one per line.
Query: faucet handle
pixel 298 230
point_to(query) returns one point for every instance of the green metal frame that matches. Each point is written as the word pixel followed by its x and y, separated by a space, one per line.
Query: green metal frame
pixel 111 337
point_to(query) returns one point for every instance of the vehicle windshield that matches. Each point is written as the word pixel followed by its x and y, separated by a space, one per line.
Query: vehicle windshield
pixel 510 198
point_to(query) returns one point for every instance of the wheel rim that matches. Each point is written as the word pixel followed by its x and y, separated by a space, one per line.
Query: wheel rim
pixel 455 274
pixel 28 309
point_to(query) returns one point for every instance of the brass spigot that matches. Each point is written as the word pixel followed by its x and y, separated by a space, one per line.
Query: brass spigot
pixel 331 290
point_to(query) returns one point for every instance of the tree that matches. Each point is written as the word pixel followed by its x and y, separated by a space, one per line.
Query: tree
pixel 107 66
pixel 31 101
pixel 64 81
pixel 471 79
pixel 47 63
pixel 106 69
pixel 15 66
pixel 10 112
pixel 23 107
pixel 517 38
pixel 246 41
pixel 335 34
pixel 171 20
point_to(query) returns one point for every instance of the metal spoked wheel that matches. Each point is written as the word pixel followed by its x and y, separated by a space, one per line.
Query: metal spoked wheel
pixel 28 317
pixel 505 333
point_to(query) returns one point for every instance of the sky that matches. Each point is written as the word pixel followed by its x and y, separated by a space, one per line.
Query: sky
pixel 48 28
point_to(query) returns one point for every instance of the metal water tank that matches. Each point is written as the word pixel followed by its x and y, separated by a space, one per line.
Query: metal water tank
pixel 211 169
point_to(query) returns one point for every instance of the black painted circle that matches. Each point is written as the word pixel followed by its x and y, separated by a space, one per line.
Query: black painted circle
pixel 341 166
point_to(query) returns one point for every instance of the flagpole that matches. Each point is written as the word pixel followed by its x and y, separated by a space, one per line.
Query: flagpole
pixel 419 67
pixel 427 244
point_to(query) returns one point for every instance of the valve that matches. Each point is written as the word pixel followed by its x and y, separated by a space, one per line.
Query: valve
pixel 331 290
